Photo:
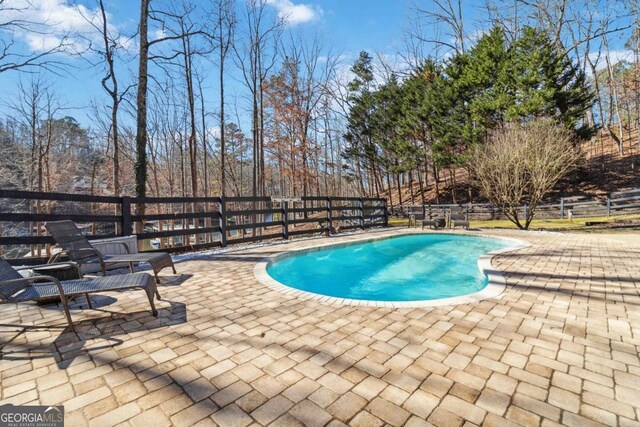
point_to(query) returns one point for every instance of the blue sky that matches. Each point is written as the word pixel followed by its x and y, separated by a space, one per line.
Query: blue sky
pixel 346 27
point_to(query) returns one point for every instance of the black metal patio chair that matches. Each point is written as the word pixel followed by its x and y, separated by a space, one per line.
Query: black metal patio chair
pixel 76 246
pixel 14 288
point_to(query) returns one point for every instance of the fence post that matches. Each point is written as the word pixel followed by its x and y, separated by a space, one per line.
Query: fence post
pixel 361 213
pixel 608 204
pixel 223 222
pixel 386 213
pixel 125 209
pixel 561 207
pixel 285 220
pixel 329 215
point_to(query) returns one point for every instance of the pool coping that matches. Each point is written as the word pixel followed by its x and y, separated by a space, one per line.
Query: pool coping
pixel 495 286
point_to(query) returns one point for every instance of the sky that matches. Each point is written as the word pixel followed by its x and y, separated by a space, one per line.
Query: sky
pixel 346 27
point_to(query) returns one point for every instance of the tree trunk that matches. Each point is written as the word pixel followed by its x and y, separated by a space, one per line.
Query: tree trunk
pixel 141 102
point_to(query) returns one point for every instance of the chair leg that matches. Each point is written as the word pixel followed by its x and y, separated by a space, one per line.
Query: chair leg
pixel 88 301
pixel 150 293
pixel 131 267
pixel 157 281
pixel 63 299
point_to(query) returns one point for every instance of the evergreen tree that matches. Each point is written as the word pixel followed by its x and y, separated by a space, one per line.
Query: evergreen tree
pixel 359 133
pixel 542 81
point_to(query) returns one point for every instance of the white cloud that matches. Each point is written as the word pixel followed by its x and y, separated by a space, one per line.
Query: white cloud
pixel 48 23
pixel 214 131
pixel 615 56
pixel 295 14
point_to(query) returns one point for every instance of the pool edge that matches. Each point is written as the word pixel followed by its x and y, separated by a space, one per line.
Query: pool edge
pixel 495 286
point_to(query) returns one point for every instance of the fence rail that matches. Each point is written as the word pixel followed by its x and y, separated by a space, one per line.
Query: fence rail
pixel 617 203
pixel 176 223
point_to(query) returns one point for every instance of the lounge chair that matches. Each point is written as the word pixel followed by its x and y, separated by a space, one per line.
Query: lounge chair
pixel 76 245
pixel 415 218
pixel 458 218
pixel 435 223
pixel 14 288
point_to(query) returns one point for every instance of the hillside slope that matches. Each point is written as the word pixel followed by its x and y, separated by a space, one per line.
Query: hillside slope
pixel 604 170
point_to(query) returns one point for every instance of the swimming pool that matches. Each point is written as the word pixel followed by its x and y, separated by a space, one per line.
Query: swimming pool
pixel 408 268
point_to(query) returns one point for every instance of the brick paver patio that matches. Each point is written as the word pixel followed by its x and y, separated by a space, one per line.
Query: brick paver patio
pixel 559 346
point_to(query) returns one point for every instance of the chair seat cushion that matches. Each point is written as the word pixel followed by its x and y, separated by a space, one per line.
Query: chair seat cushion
pixel 85 286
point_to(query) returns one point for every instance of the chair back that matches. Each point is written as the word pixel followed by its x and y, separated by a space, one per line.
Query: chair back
pixel 457 214
pixel 71 239
pixel 7 272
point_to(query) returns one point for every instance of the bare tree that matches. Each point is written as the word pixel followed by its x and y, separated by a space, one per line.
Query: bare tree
pixel 520 165
pixel 141 104
pixel 110 44
pixel 446 14
pixel 12 58
pixel 255 59
pixel 226 23
pixel 146 13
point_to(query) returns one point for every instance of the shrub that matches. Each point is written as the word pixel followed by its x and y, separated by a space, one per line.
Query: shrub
pixel 521 163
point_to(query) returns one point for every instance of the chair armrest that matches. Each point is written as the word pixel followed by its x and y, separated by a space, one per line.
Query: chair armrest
pixel 55 257
pixel 126 247
pixel 91 251
pixel 33 279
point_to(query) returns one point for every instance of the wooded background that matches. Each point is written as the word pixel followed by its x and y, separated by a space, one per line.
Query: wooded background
pixel 306 123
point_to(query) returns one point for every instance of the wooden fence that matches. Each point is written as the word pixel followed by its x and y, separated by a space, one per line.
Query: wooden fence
pixel 176 223
pixel 617 203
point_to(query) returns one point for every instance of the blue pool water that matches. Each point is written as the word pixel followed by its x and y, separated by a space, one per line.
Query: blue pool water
pixel 404 268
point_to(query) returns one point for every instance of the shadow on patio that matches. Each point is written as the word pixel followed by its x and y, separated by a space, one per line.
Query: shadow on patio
pixel 114 329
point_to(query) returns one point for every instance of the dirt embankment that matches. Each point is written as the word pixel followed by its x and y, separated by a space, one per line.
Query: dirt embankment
pixel 603 171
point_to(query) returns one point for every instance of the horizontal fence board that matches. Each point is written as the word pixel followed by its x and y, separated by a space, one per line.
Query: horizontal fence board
pixel 345 217
pixel 617 193
pixel 308 210
pixel 624 199
pixel 307 220
pixel 246 199
pixel 594 202
pixel 256 238
pixel 41 240
pixel 624 207
pixel 26 240
pixel 41 217
pixel 62 197
pixel 180 232
pixel 187 248
pixel 176 200
pixel 178 215
pixel 249 212
pixel 373 216
pixel 251 225
pixel 344 199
